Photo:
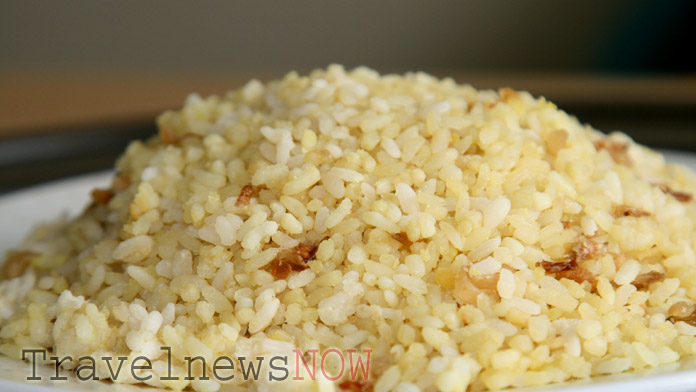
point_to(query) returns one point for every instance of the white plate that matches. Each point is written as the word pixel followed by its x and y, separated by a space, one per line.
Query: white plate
pixel 23 209
pixel 20 211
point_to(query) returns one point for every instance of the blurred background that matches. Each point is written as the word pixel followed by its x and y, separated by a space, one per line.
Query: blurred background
pixel 79 78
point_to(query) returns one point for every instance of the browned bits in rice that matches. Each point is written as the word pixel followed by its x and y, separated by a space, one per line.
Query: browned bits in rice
pixel 120 182
pixel 507 94
pixel 356 386
pixel 552 267
pixel 101 196
pixel 578 275
pixel 295 259
pixel 624 210
pixel 285 265
pixel 306 252
pixel 469 106
pixel 682 311
pixel 569 269
pixel 281 268
pixel 683 197
pixel 168 137
pixel 248 191
pixel 589 248
pixel 617 150
pixel 402 238
pixel 643 281
pixel 556 140
pixel 16 263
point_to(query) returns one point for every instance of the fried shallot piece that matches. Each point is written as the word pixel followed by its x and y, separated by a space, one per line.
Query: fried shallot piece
pixel 682 311
pixel 588 248
pixel 617 150
pixel 306 252
pixel 643 281
pixel 280 269
pixel 585 249
pixel 551 268
pixel 569 269
pixel 248 191
pixel 403 239
pixel 295 259
pixel 680 196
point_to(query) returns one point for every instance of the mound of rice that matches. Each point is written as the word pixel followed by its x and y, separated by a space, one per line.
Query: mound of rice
pixel 472 239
